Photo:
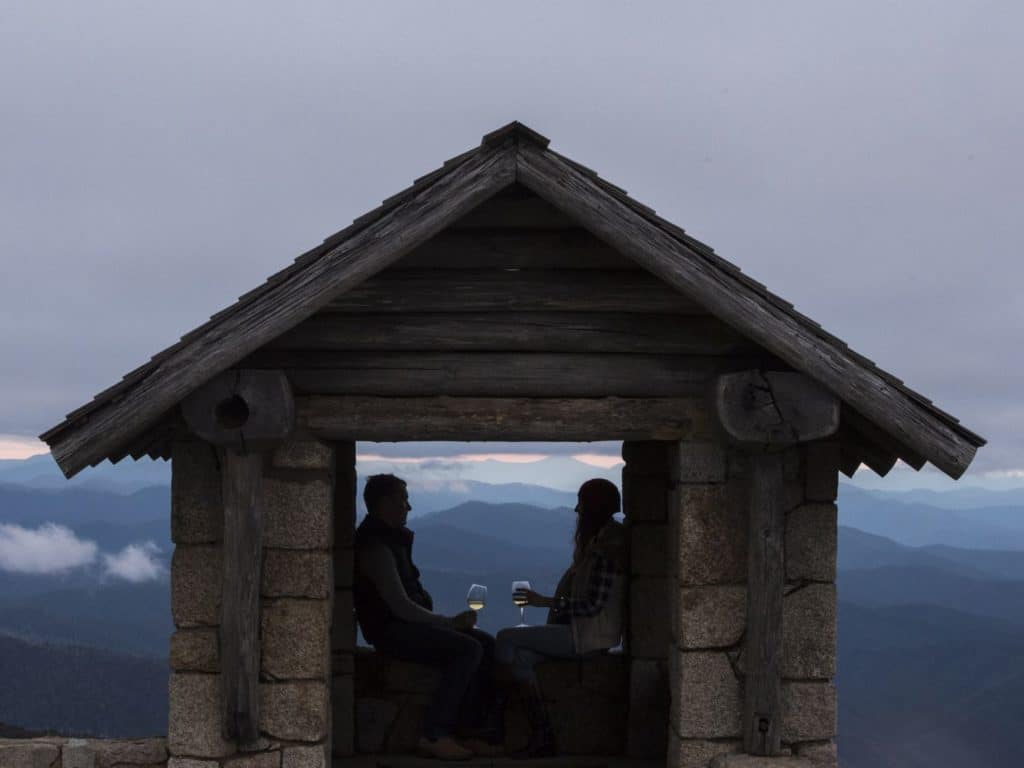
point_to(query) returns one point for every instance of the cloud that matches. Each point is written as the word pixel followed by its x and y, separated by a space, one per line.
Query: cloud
pixel 49 548
pixel 135 563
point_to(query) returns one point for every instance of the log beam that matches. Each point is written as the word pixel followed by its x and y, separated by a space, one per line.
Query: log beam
pixel 506 419
pixel 773 409
pixel 247 410
pixel 577 332
pixel 509 290
pixel 499 374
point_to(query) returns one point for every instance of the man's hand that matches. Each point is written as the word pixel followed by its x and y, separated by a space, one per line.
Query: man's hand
pixel 464 620
pixel 534 598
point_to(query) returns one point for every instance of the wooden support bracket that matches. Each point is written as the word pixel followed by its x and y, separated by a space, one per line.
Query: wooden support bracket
pixel 244 413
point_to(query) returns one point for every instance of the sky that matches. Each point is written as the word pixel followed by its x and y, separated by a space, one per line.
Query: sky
pixel 864 160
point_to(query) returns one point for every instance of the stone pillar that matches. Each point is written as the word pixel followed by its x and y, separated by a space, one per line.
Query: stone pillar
pixel 708 548
pixel 809 707
pixel 645 491
pixel 197 530
pixel 295 602
pixel 343 627
pixel 708 551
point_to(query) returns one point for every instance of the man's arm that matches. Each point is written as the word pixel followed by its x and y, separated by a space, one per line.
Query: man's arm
pixel 378 565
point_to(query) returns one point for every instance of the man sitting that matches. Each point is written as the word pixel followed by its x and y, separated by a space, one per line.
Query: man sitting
pixel 396 616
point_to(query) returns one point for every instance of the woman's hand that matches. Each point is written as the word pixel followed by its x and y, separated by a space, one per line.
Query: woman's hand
pixel 534 598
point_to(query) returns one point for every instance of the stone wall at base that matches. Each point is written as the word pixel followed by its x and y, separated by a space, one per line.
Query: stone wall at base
pixel 62 752
pixel 296 605
pixel 585 700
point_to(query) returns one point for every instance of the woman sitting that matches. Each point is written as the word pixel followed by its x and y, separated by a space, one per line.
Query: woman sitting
pixel 586 612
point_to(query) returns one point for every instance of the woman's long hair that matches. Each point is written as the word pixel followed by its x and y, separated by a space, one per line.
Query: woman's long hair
pixel 598 500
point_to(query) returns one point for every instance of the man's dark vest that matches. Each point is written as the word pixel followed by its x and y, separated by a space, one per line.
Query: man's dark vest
pixel 371 610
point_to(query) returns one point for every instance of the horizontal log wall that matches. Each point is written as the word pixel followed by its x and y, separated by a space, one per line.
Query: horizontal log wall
pixel 525 316
pixel 479 418
pixel 524 290
pixel 627 333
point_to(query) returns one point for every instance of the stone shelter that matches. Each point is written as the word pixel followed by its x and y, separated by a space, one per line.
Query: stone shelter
pixel 512 294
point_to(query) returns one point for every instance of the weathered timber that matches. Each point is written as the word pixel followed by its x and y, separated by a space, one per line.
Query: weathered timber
pixel 484 374
pixel 505 290
pixel 248 410
pixel 475 418
pixel 885 442
pixel 853 447
pixel 380 243
pixel 515 210
pixel 240 605
pixel 744 308
pixel 517 332
pixel 516 249
pixel 762 716
pixel 848 463
pixel 774 408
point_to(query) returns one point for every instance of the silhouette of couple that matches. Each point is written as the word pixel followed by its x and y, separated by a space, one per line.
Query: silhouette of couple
pixel 396 615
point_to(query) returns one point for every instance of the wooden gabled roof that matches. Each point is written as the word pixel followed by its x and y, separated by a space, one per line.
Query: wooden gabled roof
pixel 132 416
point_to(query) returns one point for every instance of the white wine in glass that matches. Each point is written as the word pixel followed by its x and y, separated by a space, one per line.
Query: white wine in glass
pixel 476 597
pixel 519 586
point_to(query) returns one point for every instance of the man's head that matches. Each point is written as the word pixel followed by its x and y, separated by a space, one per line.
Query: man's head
pixel 387 499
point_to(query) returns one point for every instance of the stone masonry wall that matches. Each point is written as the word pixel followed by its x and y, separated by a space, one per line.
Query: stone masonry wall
pixel 584 699
pixel 62 752
pixel 708 543
pixel 296 603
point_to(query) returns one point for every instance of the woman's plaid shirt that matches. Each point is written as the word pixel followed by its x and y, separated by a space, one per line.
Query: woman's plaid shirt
pixel 602 578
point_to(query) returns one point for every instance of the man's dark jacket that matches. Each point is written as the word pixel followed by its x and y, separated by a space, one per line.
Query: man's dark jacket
pixel 371 610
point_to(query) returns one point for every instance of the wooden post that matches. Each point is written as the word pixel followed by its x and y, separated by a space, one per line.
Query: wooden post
pixel 767 413
pixel 762 724
pixel 240 601
pixel 245 413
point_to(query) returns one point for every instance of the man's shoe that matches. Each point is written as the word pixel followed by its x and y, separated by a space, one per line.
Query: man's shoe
pixel 444 748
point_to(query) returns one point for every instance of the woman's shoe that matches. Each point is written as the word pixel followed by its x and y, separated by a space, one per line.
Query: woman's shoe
pixel 541 744
pixel 542 735
pixel 482 748
pixel 444 748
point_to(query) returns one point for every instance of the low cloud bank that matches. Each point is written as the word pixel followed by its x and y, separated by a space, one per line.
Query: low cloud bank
pixel 47 549
pixel 53 549
pixel 135 563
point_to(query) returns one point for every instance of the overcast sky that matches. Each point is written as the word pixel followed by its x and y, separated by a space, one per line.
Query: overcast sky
pixel 864 159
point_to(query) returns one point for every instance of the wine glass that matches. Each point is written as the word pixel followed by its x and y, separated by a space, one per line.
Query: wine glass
pixel 476 597
pixel 518 586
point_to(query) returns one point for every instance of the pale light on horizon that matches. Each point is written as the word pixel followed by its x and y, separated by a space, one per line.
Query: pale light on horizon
pixel 507 458
pixel 18 447
pixel 604 461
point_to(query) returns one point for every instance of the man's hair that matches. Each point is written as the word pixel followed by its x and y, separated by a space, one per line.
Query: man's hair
pixel 379 487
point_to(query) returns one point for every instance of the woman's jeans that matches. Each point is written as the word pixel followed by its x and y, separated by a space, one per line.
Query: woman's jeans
pixel 465 659
pixel 522 647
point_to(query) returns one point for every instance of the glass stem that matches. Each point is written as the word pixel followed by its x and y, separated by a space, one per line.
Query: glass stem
pixel 522 614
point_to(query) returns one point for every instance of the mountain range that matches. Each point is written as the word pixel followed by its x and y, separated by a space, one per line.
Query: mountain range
pixel 931 610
